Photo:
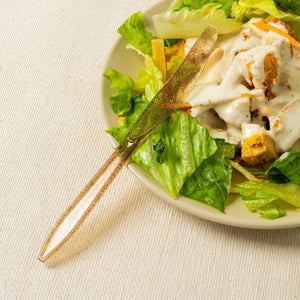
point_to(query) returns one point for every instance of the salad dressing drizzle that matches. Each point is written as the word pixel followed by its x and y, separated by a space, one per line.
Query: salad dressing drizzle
pixel 258 71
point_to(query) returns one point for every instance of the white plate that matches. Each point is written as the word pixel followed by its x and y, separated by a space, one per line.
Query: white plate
pixel 236 213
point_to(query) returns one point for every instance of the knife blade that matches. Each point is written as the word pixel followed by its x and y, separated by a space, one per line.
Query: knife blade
pixel 175 90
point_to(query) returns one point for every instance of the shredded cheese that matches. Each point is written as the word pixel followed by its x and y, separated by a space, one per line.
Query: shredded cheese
pixel 268 27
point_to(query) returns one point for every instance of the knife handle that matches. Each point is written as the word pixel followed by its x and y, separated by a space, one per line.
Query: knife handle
pixel 83 204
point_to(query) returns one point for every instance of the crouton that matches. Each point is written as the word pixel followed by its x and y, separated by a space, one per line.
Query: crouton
pixel 258 149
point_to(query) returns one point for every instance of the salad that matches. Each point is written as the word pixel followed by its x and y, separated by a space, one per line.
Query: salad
pixel 241 118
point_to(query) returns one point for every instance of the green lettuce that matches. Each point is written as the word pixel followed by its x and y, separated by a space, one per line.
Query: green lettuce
pixel 146 86
pixel 181 22
pixel 267 192
pixel 225 150
pixel 288 164
pixel 142 80
pixel 154 83
pixel 211 181
pixel 171 42
pixel 247 9
pixel 257 195
pixel 290 5
pixel 160 149
pixel 149 80
pixel 271 211
pixel 244 10
pixel 134 32
pixel 138 105
pixel 121 101
pixel 197 4
pixel 186 145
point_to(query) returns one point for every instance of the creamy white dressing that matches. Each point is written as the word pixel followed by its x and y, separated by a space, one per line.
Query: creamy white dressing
pixel 234 85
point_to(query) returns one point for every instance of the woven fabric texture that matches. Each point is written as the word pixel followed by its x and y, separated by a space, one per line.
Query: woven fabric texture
pixel 134 245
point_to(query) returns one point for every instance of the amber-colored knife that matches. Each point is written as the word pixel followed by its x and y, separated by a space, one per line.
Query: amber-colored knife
pixel 174 91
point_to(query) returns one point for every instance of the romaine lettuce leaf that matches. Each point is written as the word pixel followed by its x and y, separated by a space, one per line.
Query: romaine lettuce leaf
pixel 291 5
pixel 121 101
pixel 147 85
pixel 171 42
pixel 149 80
pixel 142 80
pixel 155 82
pixel 182 22
pixel 271 211
pixel 211 181
pixel 197 4
pixel 259 194
pixel 186 144
pixel 287 164
pixel 159 148
pixel 244 10
pixel 225 150
pixel 134 32
pixel 138 104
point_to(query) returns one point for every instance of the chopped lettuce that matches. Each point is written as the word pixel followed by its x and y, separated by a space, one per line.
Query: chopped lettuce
pixel 244 10
pixel 155 82
pixel 134 32
pixel 225 150
pixel 290 5
pixel 171 42
pixel 186 145
pixel 126 121
pixel 142 80
pixel 179 22
pixel 271 211
pixel 141 92
pixel 159 148
pixel 259 194
pixel 149 80
pixel 288 165
pixel 121 101
pixel 211 181
pixel 197 4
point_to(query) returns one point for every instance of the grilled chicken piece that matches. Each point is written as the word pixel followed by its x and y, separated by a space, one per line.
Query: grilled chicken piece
pixel 286 127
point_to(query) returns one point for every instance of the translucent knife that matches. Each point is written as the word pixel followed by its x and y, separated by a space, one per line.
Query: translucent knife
pixel 174 91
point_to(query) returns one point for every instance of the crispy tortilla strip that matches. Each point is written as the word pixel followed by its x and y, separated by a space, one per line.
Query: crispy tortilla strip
pixel 158 51
pixel 268 27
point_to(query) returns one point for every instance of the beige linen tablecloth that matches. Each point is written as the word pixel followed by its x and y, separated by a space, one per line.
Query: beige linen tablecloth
pixel 134 245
